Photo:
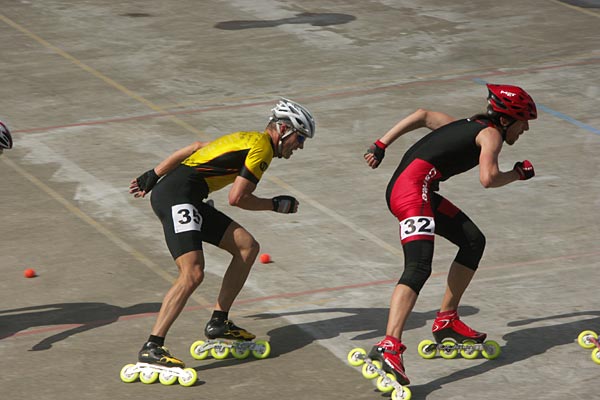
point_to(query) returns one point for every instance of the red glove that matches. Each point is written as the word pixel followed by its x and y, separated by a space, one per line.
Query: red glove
pixel 524 169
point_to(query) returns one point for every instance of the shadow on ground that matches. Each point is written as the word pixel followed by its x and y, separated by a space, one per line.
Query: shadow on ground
pixel 521 345
pixel 76 317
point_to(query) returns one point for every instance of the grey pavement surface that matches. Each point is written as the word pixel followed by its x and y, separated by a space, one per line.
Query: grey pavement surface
pixel 97 92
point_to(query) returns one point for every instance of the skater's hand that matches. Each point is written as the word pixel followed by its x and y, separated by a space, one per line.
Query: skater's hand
pixel 143 184
pixel 375 153
pixel 524 169
pixel 285 204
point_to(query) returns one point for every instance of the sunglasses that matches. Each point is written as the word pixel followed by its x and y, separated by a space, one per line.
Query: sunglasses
pixel 301 137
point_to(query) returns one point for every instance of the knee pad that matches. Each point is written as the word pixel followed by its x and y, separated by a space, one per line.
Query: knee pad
pixel 471 250
pixel 418 256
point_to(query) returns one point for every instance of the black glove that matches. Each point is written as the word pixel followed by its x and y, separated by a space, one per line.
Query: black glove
pixel 524 169
pixel 378 151
pixel 285 204
pixel 147 180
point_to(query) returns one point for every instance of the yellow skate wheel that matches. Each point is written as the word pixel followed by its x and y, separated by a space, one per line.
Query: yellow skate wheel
pixel 189 377
pixel 491 349
pixel 427 349
pixel 468 351
pixel 148 376
pixel 128 373
pixel 219 352
pixel 240 354
pixel 449 350
pixel 386 385
pixel 405 395
pixel 596 356
pixel 195 350
pixel 585 339
pixel 262 350
pixel 370 371
pixel 167 378
pixel 354 357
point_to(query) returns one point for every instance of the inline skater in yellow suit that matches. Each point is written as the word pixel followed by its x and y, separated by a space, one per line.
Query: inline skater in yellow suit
pixel 182 181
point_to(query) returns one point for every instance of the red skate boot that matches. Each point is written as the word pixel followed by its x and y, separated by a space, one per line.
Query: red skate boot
pixel 389 351
pixel 448 325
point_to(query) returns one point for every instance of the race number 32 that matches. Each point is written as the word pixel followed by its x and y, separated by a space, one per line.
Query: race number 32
pixel 414 226
pixel 186 218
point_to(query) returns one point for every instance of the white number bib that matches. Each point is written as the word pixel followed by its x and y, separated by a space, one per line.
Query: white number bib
pixel 186 218
pixel 417 226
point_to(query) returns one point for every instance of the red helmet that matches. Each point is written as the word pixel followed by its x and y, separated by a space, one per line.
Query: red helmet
pixel 5 138
pixel 511 101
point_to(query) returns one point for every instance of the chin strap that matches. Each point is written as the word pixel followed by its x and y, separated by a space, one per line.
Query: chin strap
pixel 281 138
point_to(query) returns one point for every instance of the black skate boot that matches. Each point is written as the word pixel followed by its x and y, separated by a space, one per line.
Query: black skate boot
pixel 152 353
pixel 216 329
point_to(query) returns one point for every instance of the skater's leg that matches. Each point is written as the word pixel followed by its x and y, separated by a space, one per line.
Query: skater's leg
pixel 417 269
pixel 457 227
pixel 402 303
pixel 244 249
pixel 191 274
pixel 459 278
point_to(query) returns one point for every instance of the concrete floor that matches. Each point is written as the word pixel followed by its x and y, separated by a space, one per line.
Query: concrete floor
pixel 97 92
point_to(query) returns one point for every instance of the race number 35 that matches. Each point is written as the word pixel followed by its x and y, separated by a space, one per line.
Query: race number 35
pixel 414 226
pixel 186 218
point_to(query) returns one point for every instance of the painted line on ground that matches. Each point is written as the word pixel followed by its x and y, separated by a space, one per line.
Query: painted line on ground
pixel 316 98
pixel 307 293
pixel 98 227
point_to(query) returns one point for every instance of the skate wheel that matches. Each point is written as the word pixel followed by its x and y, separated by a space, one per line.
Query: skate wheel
pixel 148 376
pixel 448 350
pixel 219 352
pixel 385 383
pixel 356 357
pixel 405 395
pixel 596 356
pixel 240 354
pixel 167 378
pixel 427 349
pixel 585 339
pixel 128 373
pixel 262 349
pixel 195 350
pixel 188 378
pixel 369 371
pixel 491 349
pixel 468 350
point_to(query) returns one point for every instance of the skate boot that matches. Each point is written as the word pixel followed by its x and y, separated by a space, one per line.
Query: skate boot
pixel 453 336
pixel 448 325
pixel 156 363
pixel 151 353
pixel 225 337
pixel 385 363
pixel 216 329
pixel 389 351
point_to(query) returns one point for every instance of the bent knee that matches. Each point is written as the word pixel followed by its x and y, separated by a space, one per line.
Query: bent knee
pixel 249 251
pixel 415 275
pixel 470 254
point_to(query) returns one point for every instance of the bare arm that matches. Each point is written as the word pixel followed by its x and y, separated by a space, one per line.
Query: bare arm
pixel 172 161
pixel 490 175
pixel 241 195
pixel 165 166
pixel 419 119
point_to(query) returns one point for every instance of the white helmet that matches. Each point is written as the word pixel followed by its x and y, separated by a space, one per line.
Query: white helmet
pixel 5 138
pixel 299 116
